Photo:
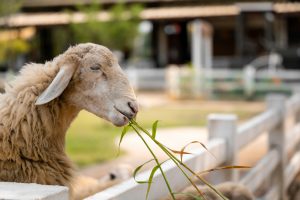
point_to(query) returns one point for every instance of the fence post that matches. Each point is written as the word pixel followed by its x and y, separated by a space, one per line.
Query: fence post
pixel 225 126
pixel 277 141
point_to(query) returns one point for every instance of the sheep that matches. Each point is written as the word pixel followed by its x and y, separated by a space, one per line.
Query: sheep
pixel 294 188
pixel 232 191
pixel 40 104
pixel 114 176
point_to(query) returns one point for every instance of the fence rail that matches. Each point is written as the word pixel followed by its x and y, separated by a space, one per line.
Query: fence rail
pixel 186 82
pixel 256 126
pixel 30 191
pixel 224 81
pixel 254 178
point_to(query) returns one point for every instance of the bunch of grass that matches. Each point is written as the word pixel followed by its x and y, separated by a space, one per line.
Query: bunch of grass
pixel 142 132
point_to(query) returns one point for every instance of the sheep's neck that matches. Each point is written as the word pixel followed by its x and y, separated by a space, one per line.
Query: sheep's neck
pixel 37 132
pixel 60 123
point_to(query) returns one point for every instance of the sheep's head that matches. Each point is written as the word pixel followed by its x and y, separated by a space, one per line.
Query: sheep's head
pixel 90 78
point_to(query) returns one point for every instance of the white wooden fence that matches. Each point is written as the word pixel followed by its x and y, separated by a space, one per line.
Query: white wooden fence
pixel 32 191
pixel 280 121
pixel 185 82
pixel 147 78
pixel 278 168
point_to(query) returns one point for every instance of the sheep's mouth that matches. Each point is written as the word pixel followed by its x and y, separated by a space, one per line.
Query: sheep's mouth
pixel 127 115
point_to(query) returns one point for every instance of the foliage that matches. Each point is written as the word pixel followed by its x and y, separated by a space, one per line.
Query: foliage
pixel 11 47
pixel 63 33
pixel 8 7
pixel 117 33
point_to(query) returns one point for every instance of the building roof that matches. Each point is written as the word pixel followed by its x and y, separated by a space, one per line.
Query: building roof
pixel 162 13
pixel 64 3
pixel 46 3
pixel 189 12
pixel 287 7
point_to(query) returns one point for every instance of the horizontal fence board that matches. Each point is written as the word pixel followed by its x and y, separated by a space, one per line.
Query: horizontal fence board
pixel 281 74
pixel 226 74
pixel 261 171
pixel 199 161
pixel 256 126
pixel 30 191
pixel 292 169
pixel 292 139
pixel 293 105
pixel 261 74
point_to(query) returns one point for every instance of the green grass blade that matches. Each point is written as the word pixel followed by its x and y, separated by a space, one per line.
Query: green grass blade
pixel 177 163
pixel 138 169
pixel 154 128
pixel 171 156
pixel 151 177
pixel 155 158
pixel 124 131
pixel 195 142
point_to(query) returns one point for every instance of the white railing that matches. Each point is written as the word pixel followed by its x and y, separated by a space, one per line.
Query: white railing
pixel 185 82
pixel 147 78
pixel 32 191
pixel 280 121
pixel 278 167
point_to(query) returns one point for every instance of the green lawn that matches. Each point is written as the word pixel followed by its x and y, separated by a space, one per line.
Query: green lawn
pixel 91 140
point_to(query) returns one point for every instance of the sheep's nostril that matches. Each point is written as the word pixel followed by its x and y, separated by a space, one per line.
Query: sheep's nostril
pixel 133 107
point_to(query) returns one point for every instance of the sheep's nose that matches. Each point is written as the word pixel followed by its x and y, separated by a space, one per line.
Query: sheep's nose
pixel 133 107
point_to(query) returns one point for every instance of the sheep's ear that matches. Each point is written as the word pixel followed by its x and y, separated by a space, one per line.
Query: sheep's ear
pixel 57 86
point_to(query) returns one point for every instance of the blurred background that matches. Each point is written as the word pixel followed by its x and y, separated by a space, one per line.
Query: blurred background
pixel 184 58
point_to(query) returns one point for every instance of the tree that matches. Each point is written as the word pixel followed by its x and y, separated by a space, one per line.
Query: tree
pixel 9 7
pixel 10 45
pixel 117 33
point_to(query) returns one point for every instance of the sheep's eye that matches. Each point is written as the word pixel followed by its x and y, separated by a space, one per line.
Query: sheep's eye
pixel 95 67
